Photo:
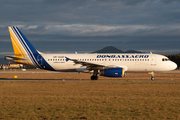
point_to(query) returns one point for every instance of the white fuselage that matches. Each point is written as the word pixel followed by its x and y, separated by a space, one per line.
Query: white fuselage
pixel 110 65
pixel 130 62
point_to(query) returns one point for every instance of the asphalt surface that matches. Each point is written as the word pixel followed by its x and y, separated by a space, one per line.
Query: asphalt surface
pixel 77 80
pixel 68 79
pixel 67 72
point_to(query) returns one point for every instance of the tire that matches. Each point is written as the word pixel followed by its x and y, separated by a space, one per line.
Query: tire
pixel 152 78
pixel 94 77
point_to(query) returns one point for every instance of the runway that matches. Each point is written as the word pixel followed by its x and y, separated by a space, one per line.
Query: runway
pixel 40 75
pixel 30 72
pixel 64 80
pixel 69 72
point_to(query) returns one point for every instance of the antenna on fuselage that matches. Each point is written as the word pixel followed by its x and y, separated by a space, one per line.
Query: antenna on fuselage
pixel 150 52
pixel 75 52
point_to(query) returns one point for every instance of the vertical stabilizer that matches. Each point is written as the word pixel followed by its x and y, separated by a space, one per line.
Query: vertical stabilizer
pixel 25 52
pixel 23 48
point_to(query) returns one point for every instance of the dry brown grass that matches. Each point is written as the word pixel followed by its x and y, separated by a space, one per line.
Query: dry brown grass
pixel 89 100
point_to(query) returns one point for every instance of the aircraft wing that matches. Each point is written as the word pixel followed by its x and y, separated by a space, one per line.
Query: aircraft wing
pixel 88 64
pixel 93 66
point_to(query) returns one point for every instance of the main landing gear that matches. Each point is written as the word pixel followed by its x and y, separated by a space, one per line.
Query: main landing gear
pixel 94 76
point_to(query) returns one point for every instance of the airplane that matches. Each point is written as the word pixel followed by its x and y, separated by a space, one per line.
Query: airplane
pixel 103 64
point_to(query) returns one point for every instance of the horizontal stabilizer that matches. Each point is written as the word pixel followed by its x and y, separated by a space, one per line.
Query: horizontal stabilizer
pixel 13 58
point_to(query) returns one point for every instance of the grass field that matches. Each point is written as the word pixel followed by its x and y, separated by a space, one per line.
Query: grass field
pixel 89 100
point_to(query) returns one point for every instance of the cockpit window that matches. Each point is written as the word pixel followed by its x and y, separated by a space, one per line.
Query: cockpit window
pixel 165 59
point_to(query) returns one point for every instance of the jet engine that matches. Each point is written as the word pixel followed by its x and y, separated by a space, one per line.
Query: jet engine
pixel 113 72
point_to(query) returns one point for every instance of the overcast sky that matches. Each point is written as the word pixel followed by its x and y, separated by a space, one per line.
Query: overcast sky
pixel 89 25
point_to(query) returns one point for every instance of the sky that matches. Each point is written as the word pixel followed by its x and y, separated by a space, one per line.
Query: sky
pixel 84 26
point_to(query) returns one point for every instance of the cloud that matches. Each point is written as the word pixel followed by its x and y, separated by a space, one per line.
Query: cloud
pixel 102 30
pixel 123 23
pixel 101 12
pixel 6 53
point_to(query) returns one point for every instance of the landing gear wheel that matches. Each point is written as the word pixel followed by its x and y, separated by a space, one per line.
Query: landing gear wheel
pixel 153 78
pixel 94 77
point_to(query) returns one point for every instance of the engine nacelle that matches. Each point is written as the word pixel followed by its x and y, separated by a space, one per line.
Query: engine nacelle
pixel 113 72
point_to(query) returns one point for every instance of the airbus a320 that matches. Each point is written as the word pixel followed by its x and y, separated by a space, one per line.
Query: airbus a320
pixel 109 65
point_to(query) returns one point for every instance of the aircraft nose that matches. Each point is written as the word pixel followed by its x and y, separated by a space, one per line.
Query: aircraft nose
pixel 174 65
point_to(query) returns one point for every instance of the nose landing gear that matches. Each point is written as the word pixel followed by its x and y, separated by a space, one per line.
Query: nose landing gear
pixel 152 76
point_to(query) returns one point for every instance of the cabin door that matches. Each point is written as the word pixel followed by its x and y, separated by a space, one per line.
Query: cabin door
pixel 153 62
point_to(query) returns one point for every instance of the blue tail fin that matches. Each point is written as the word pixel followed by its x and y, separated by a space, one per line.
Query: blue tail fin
pixel 24 49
